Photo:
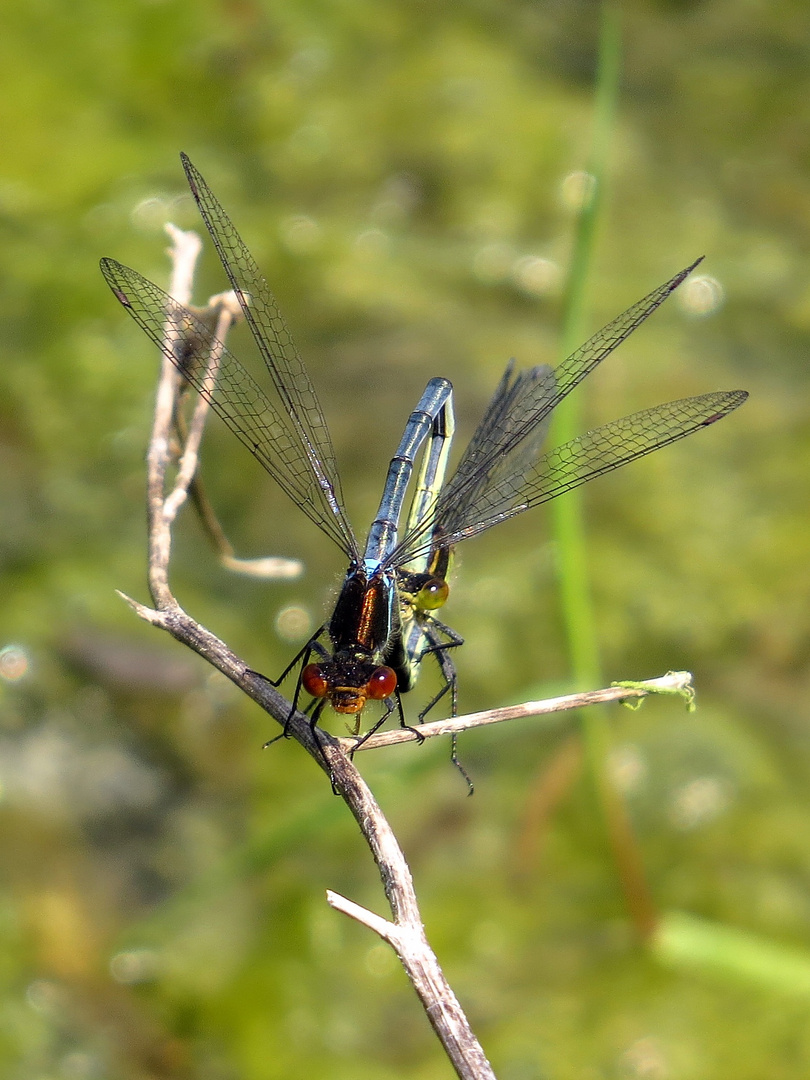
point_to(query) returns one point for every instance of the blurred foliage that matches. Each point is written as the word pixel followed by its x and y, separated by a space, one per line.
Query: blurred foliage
pixel 403 174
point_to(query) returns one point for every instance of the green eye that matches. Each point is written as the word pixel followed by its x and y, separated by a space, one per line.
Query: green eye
pixel 432 595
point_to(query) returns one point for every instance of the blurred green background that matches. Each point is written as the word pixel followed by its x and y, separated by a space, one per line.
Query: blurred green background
pixel 406 175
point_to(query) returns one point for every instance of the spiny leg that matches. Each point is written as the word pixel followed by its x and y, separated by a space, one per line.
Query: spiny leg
pixel 302 658
pixel 391 703
pixel 431 627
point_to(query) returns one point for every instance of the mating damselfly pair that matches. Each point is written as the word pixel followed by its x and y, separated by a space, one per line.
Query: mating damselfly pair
pixel 385 621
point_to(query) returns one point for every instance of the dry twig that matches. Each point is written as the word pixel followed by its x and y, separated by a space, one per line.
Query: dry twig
pixel 405 931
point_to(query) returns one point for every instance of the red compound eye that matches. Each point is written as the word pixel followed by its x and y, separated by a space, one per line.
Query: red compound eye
pixel 382 684
pixel 433 594
pixel 313 681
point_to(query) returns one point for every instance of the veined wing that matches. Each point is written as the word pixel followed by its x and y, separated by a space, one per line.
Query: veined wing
pixel 510 491
pixel 508 439
pixel 535 394
pixel 509 431
pixel 516 404
pixel 232 393
pixel 275 343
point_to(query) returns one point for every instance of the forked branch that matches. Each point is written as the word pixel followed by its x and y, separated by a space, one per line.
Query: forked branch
pixel 174 444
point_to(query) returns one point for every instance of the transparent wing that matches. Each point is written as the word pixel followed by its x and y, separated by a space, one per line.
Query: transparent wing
pixel 275 343
pixel 233 394
pixel 514 409
pixel 517 403
pixel 517 409
pixel 510 491
pixel 508 439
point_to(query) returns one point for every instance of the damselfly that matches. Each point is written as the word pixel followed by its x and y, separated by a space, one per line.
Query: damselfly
pixel 384 621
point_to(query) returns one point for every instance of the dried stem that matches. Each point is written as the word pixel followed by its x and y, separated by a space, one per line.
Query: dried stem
pixel 674 682
pixel 405 931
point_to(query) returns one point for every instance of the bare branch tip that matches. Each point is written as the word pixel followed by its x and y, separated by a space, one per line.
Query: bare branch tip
pixel 182 237
pixel 150 615
pixel 229 303
pixel 383 927
pixel 271 568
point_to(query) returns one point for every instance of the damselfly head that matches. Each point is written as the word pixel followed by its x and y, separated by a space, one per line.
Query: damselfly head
pixel 432 594
pixel 423 592
pixel 373 683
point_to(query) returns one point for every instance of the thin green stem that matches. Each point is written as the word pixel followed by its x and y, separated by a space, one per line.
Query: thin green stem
pixel 567 513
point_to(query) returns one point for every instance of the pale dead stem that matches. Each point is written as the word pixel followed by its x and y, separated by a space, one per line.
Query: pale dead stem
pixel 405 933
